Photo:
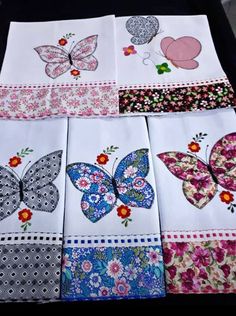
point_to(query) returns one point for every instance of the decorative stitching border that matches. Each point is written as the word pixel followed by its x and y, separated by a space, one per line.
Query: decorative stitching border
pixel 211 234
pixel 41 238
pixel 115 240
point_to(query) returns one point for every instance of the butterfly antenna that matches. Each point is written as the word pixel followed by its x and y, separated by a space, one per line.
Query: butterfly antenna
pixel 13 171
pixel 206 154
pixel 113 166
pixel 71 47
pixel 24 169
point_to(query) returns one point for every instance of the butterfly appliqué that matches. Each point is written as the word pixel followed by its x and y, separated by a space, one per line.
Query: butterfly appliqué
pixel 201 179
pixel 101 190
pixel 59 60
pixel 35 189
pixel 142 29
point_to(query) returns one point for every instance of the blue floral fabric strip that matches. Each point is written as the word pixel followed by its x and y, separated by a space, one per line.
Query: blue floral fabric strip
pixel 112 273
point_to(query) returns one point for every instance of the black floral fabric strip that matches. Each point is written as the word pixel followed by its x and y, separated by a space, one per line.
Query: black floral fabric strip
pixel 185 99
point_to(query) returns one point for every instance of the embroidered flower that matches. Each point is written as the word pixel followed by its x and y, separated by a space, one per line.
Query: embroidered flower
pixel 130 172
pixel 102 159
pixel 65 262
pixel 194 147
pixel 121 287
pixel 14 161
pixel 139 183
pixel 75 72
pixel 103 291
pixel 25 215
pixel 95 279
pixel 83 183
pixel 94 198
pixel 84 205
pixel 154 256
pixel 180 248
pixel 226 197
pixel 130 50
pixel 114 268
pixel 162 68
pixel 62 41
pixel 201 257
pixel 123 211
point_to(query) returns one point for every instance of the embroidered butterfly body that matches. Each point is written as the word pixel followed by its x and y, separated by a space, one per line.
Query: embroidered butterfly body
pixel 35 189
pixel 201 180
pixel 59 60
pixel 102 190
pixel 182 51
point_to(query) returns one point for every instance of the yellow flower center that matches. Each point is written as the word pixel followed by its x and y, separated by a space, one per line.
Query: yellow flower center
pixel 25 215
pixel 129 50
pixel 163 68
pixel 123 211
pixel 226 197
pixel 194 147
pixel 14 161
pixel 102 159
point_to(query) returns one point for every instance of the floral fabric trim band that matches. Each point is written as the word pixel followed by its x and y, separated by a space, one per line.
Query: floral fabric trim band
pixel 112 273
pixel 184 99
pixel 200 267
pixel 28 102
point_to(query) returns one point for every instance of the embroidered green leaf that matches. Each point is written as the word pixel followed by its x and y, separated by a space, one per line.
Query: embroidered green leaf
pixel 199 137
pixel 68 35
pixel 110 150
pixel 24 152
pixel 162 68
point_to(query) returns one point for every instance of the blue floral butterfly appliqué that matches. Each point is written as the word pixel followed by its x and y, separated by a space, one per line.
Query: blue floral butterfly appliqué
pixel 101 189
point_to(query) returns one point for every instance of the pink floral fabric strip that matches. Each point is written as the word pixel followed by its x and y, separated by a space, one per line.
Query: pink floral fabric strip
pixel 41 102
pixel 177 99
pixel 200 266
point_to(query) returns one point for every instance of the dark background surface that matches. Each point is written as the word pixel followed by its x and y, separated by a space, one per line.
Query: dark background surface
pixel 225 43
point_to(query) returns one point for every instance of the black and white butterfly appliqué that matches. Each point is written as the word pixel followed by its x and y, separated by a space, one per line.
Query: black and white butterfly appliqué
pixel 142 29
pixel 35 188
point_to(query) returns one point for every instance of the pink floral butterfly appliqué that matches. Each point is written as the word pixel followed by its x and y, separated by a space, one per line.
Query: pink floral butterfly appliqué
pixel 59 60
pixel 182 51
pixel 201 179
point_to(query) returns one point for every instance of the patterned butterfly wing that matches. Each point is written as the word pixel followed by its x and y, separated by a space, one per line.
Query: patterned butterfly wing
pixel 39 192
pixel 99 197
pixel 131 185
pixel 143 29
pixel 9 193
pixel 223 161
pixel 56 58
pixel 81 54
pixel 198 185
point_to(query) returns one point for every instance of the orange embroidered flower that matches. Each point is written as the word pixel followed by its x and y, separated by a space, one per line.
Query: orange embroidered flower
pixel 130 50
pixel 123 211
pixel 14 161
pixel 25 215
pixel 194 147
pixel 226 197
pixel 102 159
pixel 62 42
pixel 75 72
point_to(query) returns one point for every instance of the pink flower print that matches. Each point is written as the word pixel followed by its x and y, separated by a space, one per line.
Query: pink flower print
pixel 218 254
pixel 201 257
pixel 172 271
pixel 180 248
pixel 189 281
pixel 130 50
pixel 121 288
pixel 104 291
pixel 168 255
pixel 154 256
pixel 114 268
pixel 86 266
pixel 65 262
pixel 200 181
pixel 230 246
pixel 226 270
pixel 83 183
pixel 202 274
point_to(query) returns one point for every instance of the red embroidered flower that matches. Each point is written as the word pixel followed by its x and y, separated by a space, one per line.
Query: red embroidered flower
pixel 75 72
pixel 194 147
pixel 123 211
pixel 226 197
pixel 14 161
pixel 25 215
pixel 102 159
pixel 62 42
pixel 129 50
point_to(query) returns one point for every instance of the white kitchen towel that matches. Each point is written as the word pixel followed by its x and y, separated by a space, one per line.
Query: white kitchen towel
pixel 168 64
pixel 59 68
pixel 195 165
pixel 112 243
pixel 32 185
